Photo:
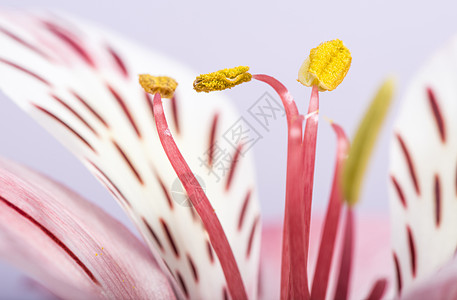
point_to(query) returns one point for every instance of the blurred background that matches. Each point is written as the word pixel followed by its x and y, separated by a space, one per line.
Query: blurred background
pixel 385 37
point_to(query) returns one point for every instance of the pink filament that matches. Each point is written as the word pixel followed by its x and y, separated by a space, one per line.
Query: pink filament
pixel 327 245
pixel 201 204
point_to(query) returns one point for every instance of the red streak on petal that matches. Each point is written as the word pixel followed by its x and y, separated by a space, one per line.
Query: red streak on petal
pixel 347 254
pixel 25 71
pixel 93 111
pixel 128 162
pixel 398 273
pixel 54 238
pixel 210 251
pixel 169 237
pixel 70 41
pixel 149 102
pixel 332 219
pixel 251 236
pixel 111 183
pixel 118 60
pixel 175 113
pixel 165 191
pixel 182 284
pixel 24 43
pixel 399 191
pixel 378 290
pixel 409 161
pixel 437 114
pixel 153 234
pixel 437 190
pixel 412 250
pixel 126 111
pixel 201 204
pixel 193 268
pixel 212 139
pixel 74 113
pixel 66 126
pixel 234 163
pixel 243 209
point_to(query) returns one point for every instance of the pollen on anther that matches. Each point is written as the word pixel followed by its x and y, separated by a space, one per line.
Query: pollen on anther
pixel 163 85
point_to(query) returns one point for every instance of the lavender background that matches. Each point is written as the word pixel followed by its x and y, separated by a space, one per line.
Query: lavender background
pixel 385 37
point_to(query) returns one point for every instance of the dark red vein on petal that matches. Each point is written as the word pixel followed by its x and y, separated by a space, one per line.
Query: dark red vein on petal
pixel 149 102
pixel 192 267
pixel 119 61
pixel 24 43
pixel 225 294
pixel 153 234
pixel 182 284
pixel 66 126
pixel 233 165
pixel 74 113
pixel 412 250
pixel 111 183
pixel 175 113
pixel 251 236
pixel 54 238
pixel 25 71
pixel 165 191
pixel 399 191
pixel 71 42
pixel 128 162
pixel 210 251
pixel 243 209
pixel 344 276
pixel 169 236
pixel 437 190
pixel 409 161
pixel 124 108
pixel 212 139
pixel 90 108
pixel 378 290
pixel 437 114
pixel 398 273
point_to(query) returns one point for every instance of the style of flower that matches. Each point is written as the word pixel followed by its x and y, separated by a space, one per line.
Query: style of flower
pixel 81 84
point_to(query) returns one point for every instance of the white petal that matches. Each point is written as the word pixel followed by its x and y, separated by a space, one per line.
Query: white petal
pixel 423 169
pixel 90 62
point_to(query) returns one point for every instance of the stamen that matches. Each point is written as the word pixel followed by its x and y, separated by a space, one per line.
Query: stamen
pixel 326 66
pixel 222 79
pixel 200 202
pixel 364 141
pixel 163 85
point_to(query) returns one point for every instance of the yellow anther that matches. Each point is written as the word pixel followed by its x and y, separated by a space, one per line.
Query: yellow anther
pixel 326 66
pixel 164 85
pixel 221 80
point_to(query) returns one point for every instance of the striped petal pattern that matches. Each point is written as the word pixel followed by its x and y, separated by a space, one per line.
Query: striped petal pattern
pixel 60 239
pixel 81 84
pixel 423 166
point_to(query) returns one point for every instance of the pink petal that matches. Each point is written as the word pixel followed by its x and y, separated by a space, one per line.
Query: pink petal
pixel 82 86
pixel 438 285
pixel 70 245
pixel 372 256
pixel 423 166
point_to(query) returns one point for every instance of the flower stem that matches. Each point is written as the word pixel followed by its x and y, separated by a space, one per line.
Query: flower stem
pixel 201 204
pixel 327 245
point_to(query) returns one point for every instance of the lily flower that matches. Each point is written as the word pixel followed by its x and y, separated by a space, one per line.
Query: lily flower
pixel 80 83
